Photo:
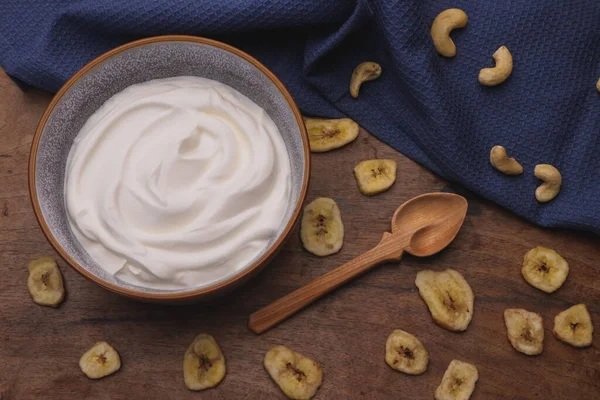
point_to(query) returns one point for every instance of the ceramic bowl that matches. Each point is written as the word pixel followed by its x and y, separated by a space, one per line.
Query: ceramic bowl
pixel 140 61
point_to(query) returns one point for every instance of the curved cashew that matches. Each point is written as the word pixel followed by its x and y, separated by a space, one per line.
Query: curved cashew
pixel 552 181
pixel 443 24
pixel 502 70
pixel 598 85
pixel 364 72
pixel 503 163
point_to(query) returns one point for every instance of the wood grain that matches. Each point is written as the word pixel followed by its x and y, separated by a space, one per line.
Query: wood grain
pixel 345 331
pixel 281 309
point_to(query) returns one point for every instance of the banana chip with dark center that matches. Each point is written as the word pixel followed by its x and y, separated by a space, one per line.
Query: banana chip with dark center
pixel 100 361
pixel 574 326
pixel 321 229
pixel 45 282
pixel 203 363
pixel 329 134
pixel 458 382
pixel 375 176
pixel 525 330
pixel 448 296
pixel 297 376
pixel 544 269
pixel 405 353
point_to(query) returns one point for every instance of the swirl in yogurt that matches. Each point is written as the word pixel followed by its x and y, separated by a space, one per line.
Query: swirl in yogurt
pixel 177 183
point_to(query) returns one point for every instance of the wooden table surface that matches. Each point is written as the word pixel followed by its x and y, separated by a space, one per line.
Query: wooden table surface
pixel 346 331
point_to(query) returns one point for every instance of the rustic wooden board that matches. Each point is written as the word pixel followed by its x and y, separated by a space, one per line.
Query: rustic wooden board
pixel 345 332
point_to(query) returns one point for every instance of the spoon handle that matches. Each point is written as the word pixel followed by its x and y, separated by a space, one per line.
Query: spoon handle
pixel 278 311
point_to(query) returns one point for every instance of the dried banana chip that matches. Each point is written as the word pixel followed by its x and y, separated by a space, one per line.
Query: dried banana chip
pixel 297 376
pixel 100 361
pixel 458 382
pixel 321 229
pixel 544 269
pixel 405 353
pixel 45 282
pixel 329 134
pixel 574 326
pixel 525 330
pixel 448 296
pixel 375 176
pixel 203 363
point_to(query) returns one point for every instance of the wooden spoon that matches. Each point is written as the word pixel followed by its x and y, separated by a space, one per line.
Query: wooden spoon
pixel 422 226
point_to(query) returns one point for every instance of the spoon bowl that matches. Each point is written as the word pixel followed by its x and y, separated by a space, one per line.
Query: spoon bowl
pixel 433 220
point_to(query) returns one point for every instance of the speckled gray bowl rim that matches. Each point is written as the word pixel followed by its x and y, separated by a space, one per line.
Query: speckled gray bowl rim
pixel 193 294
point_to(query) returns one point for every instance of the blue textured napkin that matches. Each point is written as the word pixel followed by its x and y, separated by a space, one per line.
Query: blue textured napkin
pixel 430 108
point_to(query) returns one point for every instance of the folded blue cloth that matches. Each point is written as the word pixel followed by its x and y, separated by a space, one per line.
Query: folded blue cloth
pixel 430 108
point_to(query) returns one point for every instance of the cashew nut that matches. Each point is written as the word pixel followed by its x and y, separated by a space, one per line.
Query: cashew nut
pixel 443 24
pixel 552 181
pixel 364 72
pixel 503 163
pixel 502 70
pixel 598 85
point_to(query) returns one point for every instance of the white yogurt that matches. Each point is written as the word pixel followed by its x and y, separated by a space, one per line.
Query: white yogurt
pixel 177 183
